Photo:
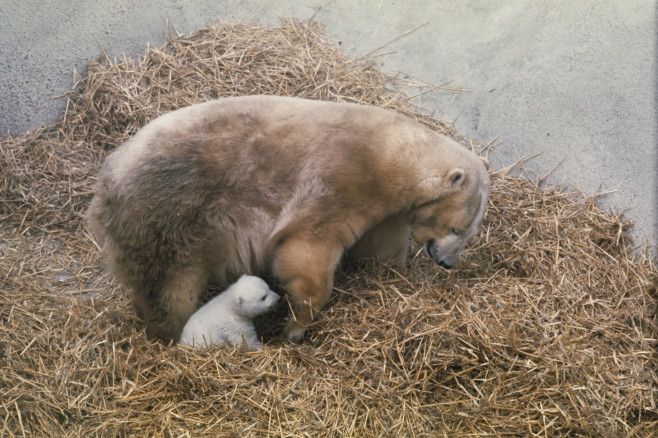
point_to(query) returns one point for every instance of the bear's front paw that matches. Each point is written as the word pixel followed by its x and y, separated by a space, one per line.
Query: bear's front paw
pixel 295 332
pixel 297 339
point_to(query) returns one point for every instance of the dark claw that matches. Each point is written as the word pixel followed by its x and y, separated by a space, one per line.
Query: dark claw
pixel 444 265
pixel 297 340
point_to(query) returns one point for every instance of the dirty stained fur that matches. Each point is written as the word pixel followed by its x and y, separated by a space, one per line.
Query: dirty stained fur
pixel 276 185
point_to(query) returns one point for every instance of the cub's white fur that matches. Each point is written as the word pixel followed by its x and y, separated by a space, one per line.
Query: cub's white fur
pixel 228 316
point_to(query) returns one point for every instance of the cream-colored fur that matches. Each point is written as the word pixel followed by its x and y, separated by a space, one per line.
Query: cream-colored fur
pixel 282 186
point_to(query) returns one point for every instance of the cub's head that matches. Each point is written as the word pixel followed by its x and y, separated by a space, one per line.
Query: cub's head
pixel 252 296
pixel 446 222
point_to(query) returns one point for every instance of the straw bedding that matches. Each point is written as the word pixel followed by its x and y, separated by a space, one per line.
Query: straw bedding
pixel 546 327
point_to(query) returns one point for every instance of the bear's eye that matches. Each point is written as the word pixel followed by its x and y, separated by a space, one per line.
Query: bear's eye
pixel 264 297
pixel 456 232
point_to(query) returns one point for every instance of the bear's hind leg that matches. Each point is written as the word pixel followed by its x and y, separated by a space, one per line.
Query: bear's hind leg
pixel 166 314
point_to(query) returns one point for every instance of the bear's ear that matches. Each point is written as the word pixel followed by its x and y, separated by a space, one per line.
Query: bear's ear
pixel 455 178
pixel 240 301
pixel 433 187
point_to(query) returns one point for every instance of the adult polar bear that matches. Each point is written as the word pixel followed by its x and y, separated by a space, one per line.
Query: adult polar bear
pixel 263 184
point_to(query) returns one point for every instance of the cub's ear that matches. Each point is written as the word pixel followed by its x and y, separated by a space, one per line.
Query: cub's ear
pixel 486 162
pixel 455 178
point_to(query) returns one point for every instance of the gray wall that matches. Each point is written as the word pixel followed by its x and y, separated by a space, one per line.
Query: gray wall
pixel 574 79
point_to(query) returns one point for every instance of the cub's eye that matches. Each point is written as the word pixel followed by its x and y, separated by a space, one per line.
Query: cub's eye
pixel 264 297
pixel 456 232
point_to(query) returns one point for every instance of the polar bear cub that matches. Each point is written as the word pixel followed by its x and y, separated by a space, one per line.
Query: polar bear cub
pixel 228 316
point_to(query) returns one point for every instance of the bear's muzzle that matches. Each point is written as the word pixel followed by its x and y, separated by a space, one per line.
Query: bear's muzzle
pixel 434 253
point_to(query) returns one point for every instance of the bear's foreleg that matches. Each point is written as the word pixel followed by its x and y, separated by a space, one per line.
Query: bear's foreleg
pixel 245 333
pixel 306 271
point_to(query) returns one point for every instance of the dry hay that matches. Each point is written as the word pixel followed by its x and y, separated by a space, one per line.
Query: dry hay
pixel 546 327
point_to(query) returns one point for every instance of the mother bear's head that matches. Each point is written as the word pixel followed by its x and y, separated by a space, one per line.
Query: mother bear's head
pixel 455 209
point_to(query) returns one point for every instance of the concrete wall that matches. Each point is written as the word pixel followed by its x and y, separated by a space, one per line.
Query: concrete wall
pixel 576 80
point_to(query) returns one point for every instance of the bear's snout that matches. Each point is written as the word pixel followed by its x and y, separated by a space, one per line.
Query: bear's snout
pixel 434 253
pixel 274 299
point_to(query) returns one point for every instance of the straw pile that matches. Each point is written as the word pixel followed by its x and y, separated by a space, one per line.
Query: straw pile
pixel 546 327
